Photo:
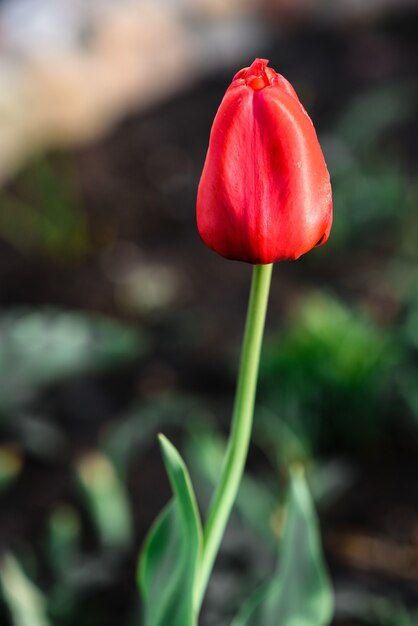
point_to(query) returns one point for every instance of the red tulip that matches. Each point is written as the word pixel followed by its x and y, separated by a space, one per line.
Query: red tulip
pixel 265 193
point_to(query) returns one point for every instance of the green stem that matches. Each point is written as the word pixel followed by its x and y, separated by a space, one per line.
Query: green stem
pixel 242 418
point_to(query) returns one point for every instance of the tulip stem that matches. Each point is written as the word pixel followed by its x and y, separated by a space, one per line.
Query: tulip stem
pixel 241 427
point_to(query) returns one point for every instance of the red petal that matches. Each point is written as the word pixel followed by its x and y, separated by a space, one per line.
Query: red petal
pixel 265 193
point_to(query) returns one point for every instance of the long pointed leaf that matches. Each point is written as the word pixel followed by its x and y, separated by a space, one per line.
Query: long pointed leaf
pixel 300 593
pixel 27 605
pixel 169 565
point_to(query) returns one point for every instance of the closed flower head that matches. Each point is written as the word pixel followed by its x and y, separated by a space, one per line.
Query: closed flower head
pixel 265 192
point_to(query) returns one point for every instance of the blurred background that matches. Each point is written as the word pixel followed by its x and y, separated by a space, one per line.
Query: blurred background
pixel 117 323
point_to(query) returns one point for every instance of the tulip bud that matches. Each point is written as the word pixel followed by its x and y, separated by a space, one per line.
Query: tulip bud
pixel 265 192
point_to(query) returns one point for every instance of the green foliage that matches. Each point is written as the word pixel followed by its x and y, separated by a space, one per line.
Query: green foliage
pixel 10 465
pixel 282 443
pixel 332 366
pixel 407 382
pixel 299 593
pixel 357 602
pixel 26 603
pixel 107 500
pixel 388 612
pixel 135 431
pixel 372 202
pixel 169 564
pixel 256 501
pixel 63 538
pixel 410 326
pixel 371 113
pixel 43 212
pixel 407 375
pixel 43 347
pixel 373 196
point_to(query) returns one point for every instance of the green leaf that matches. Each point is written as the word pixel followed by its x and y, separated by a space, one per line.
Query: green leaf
pixel 11 463
pixel 64 530
pixel 107 500
pixel 169 564
pixel 300 593
pixel 42 347
pixel 255 503
pixel 26 603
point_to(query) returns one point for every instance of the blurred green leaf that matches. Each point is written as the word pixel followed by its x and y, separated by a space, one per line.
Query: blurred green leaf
pixel 11 463
pixel 63 550
pixel 279 441
pixel 371 113
pixel 107 500
pixel 407 381
pixel 410 327
pixel 26 603
pixel 256 502
pixel 63 537
pixel 406 376
pixel 299 593
pixel 44 211
pixel 390 612
pixel 134 431
pixel 360 603
pixel 39 436
pixel 373 196
pixel 373 200
pixel 334 368
pixel 43 347
pixel 169 564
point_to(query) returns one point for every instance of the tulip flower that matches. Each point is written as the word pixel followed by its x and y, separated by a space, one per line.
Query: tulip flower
pixel 265 193
pixel 264 196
